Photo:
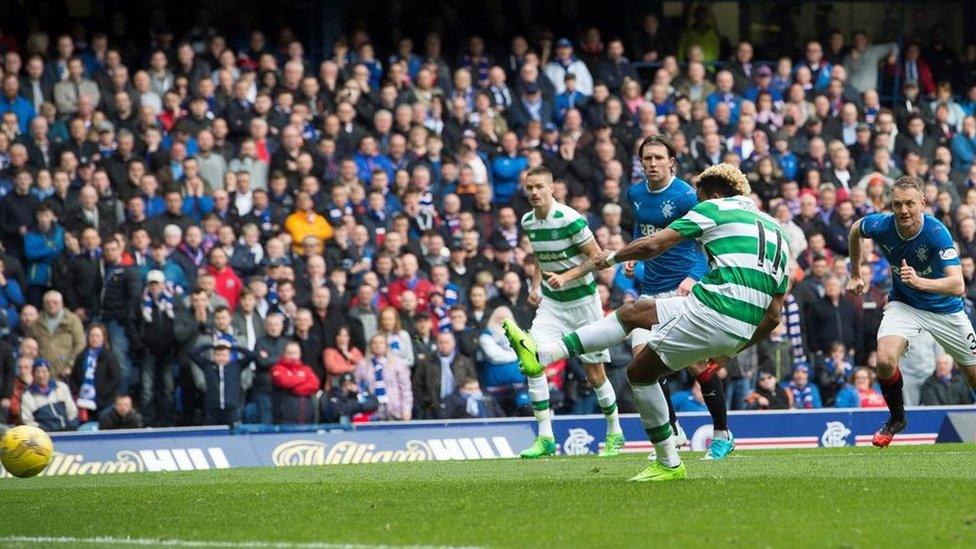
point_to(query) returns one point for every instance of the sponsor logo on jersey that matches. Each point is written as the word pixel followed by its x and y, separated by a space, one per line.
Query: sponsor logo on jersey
pixel 646 229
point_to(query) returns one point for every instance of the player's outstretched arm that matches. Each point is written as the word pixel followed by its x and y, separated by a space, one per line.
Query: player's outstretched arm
pixel 642 248
pixel 855 285
pixel 638 250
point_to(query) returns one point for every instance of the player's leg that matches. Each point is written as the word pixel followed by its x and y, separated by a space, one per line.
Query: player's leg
pixel 899 323
pixel 593 364
pixel 713 393
pixel 607 399
pixel 644 372
pixel 955 334
pixel 546 325
pixel 890 350
pixel 593 337
pixel 639 338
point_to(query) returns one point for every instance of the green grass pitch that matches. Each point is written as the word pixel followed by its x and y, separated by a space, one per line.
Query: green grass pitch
pixel 909 496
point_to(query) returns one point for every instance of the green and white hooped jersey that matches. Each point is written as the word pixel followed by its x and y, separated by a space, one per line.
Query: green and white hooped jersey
pixel 747 256
pixel 556 242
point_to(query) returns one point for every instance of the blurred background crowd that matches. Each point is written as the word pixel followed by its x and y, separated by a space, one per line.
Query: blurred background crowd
pixel 230 219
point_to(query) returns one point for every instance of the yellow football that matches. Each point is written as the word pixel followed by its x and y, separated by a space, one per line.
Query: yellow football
pixel 25 451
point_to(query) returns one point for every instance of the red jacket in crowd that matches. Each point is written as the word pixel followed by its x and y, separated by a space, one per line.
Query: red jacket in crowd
pixel 419 286
pixel 228 284
pixel 294 377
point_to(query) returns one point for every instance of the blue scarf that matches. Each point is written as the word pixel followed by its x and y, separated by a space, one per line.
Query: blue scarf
pixel 164 302
pixel 264 218
pixel 86 394
pixel 378 377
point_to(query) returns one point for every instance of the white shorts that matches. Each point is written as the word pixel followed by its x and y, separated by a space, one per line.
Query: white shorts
pixel 640 336
pixel 686 334
pixel 952 331
pixel 553 321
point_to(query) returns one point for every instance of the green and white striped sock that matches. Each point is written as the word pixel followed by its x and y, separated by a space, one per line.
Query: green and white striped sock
pixel 539 394
pixel 608 403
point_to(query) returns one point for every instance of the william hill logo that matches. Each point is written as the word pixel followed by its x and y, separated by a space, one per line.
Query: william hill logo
pixel 136 461
pixel 313 452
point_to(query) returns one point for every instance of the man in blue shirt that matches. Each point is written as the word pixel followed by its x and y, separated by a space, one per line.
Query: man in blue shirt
pixel 926 293
pixel 11 101
pixel 657 201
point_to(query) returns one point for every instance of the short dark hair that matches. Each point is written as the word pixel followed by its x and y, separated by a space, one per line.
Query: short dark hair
pixel 539 170
pixel 657 139
pixel 907 182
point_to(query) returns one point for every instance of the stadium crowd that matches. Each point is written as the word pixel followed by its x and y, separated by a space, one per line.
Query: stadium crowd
pixel 210 229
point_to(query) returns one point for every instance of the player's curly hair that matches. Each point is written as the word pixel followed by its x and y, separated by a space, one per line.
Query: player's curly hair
pixel 724 180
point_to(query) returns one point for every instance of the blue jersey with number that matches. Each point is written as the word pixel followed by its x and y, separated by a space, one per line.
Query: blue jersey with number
pixel 929 252
pixel 653 211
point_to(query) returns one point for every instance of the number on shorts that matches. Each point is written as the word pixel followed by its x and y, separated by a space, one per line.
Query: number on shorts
pixel 972 341
pixel 761 252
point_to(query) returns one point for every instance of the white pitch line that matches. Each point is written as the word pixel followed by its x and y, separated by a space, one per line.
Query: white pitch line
pixel 111 540
pixel 754 453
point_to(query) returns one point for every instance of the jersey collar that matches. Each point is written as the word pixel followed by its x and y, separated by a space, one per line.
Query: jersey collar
pixel 914 236
pixel 647 184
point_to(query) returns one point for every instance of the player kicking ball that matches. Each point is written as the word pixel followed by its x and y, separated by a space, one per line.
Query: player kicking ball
pixel 735 305
pixel 561 240
pixel 926 294
pixel 657 201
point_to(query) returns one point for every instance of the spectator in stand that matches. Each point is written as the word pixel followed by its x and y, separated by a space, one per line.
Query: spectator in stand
pixel 268 349
pixel 398 340
pixel 565 63
pixel 768 395
pixel 805 395
pixel 387 377
pixel 295 384
pixel 59 333
pixel 95 375
pixel 43 243
pixel 860 392
pixel 306 222
pixel 222 371
pixel 120 416
pixel 690 400
pixel 439 376
pixel 945 387
pixel 120 290
pixel 468 402
pixel 228 284
pixel 347 400
pixel 341 359
pixel 499 369
pixel 157 331
pixel 833 318
pixel 8 379
pixel 47 403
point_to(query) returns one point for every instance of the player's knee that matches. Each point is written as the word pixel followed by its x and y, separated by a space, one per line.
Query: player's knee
pixel 636 373
pixel 637 314
pixel 596 374
pixel 887 362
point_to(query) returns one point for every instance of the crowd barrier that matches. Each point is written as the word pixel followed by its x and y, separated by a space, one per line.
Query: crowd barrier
pixel 200 448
